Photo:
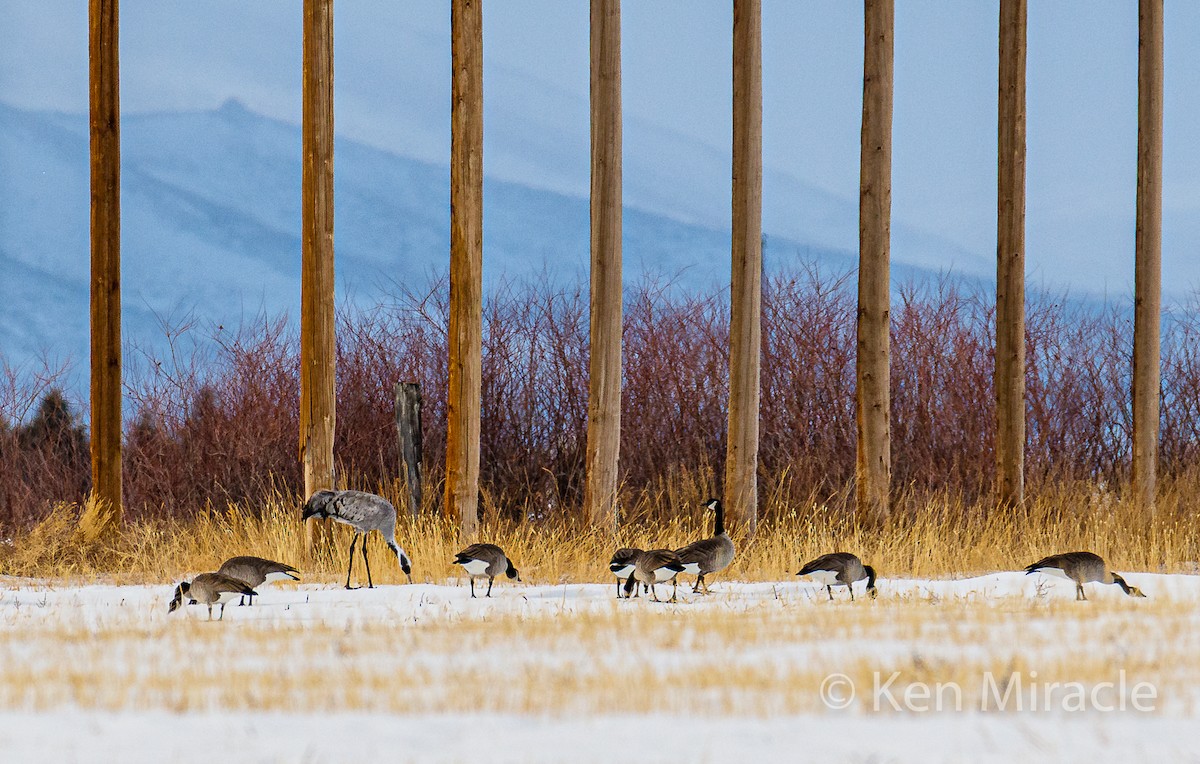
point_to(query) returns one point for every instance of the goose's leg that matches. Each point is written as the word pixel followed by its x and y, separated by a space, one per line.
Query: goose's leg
pixel 472 580
pixel 1079 595
pixel 353 541
pixel 830 590
pixel 675 589
pixel 654 593
pixel 367 562
pixel 491 579
pixel 851 588
pixel 702 578
pixel 210 612
pixel 222 618
pixel 618 588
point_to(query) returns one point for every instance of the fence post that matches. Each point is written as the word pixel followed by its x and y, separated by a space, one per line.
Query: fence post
pixel 873 399
pixel 1147 316
pixel 105 150
pixel 1009 376
pixel 408 431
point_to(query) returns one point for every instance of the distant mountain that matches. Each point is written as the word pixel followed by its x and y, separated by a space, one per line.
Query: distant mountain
pixel 211 226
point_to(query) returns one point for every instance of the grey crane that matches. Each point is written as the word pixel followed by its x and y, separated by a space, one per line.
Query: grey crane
pixel 840 569
pixel 485 561
pixel 255 571
pixel 710 555
pixel 210 589
pixel 1081 567
pixel 365 512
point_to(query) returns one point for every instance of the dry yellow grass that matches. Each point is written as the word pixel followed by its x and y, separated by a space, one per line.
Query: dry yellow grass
pixel 766 660
pixel 943 538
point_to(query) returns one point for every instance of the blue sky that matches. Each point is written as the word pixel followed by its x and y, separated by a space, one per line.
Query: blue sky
pixel 676 57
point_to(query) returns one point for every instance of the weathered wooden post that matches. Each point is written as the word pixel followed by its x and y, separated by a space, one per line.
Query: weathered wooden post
pixel 1147 318
pixel 604 382
pixel 873 400
pixel 745 315
pixel 105 149
pixel 466 266
pixel 408 432
pixel 1009 380
pixel 317 343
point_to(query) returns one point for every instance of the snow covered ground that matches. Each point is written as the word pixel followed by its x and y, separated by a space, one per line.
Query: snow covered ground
pixel 942 670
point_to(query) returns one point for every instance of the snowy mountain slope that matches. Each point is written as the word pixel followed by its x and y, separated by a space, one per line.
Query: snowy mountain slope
pixel 211 225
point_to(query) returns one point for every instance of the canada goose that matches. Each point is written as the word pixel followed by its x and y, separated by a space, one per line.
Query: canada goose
pixel 840 569
pixel 365 512
pixel 622 563
pixel 485 561
pixel 710 555
pixel 1081 567
pixel 210 589
pixel 255 571
pixel 654 567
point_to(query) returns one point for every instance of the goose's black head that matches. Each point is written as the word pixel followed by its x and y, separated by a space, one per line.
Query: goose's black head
pixel 1132 591
pixel 512 572
pixel 317 505
pixel 181 592
pixel 871 581
pixel 713 505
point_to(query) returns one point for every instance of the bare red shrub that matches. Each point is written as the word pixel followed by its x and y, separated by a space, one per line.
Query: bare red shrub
pixel 214 419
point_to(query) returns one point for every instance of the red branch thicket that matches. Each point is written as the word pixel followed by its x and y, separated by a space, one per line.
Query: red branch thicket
pixel 213 415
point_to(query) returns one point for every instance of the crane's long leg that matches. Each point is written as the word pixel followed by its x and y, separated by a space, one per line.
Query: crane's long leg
pixel 353 541
pixel 363 549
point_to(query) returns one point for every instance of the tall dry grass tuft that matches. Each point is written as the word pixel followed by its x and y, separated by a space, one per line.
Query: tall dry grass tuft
pixel 946 537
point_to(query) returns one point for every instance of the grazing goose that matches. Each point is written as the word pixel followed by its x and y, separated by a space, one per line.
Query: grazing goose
pixel 255 571
pixel 622 563
pixel 210 589
pixel 1081 567
pixel 655 567
pixel 485 561
pixel 840 569
pixel 710 555
pixel 365 512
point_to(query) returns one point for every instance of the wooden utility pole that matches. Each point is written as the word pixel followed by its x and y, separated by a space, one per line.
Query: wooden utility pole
pixel 1010 259
pixel 604 381
pixel 1147 318
pixel 317 344
pixel 105 142
pixel 873 401
pixel 745 304
pixel 466 266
